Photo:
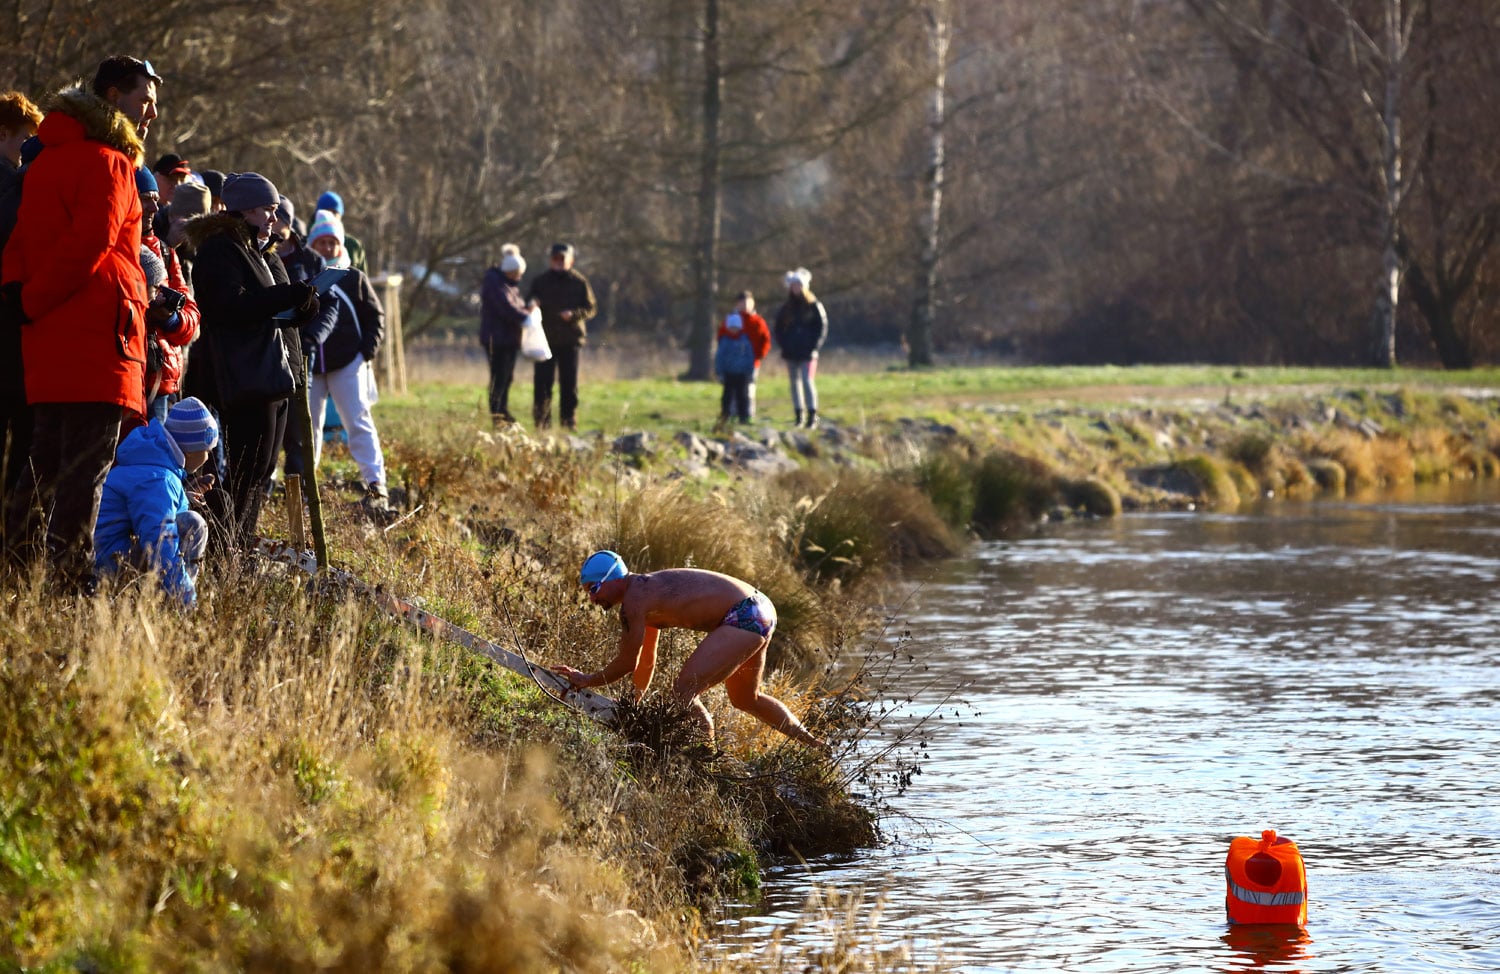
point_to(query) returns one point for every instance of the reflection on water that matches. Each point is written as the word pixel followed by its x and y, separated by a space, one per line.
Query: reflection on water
pixel 1148 688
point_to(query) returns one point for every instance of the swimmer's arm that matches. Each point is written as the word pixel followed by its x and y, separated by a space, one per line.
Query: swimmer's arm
pixel 632 642
pixel 646 665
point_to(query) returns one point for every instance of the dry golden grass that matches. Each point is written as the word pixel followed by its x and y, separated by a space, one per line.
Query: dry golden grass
pixel 1353 452
pixel 286 780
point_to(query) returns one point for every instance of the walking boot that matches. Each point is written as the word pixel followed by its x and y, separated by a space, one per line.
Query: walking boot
pixel 541 416
pixel 377 502
pixel 797 423
pixel 812 418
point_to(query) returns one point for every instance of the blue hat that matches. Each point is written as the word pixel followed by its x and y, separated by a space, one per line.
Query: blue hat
pixel 145 182
pixel 192 425
pixel 602 566
pixel 331 201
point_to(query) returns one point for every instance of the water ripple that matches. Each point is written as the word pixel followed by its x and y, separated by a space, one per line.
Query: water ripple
pixel 1139 692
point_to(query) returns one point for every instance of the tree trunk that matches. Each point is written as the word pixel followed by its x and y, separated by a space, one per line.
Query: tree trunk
pixel 923 312
pixel 1439 311
pixel 1388 303
pixel 710 204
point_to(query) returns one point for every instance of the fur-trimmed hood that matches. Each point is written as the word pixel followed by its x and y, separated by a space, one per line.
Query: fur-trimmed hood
pixel 200 229
pixel 98 119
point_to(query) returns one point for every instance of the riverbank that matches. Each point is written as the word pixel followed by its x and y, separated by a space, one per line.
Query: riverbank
pixel 287 779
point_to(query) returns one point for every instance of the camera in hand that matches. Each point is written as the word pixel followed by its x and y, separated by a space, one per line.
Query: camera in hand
pixel 168 301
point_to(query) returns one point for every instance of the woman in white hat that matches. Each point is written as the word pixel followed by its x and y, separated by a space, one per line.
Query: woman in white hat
pixel 801 328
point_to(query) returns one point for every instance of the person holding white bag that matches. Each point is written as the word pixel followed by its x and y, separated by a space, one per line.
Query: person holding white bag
pixel 341 363
pixel 502 323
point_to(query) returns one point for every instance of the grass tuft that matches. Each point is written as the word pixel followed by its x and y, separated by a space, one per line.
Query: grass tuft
pixel 1010 490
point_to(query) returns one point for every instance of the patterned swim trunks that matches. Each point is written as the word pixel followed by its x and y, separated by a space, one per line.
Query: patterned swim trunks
pixel 754 614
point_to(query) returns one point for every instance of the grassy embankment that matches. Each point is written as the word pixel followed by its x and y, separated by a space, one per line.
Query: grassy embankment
pixel 285 780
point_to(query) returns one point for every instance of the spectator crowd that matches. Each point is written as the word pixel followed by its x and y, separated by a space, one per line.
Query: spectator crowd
pixel 161 324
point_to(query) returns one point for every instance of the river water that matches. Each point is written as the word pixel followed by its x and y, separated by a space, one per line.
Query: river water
pixel 1132 694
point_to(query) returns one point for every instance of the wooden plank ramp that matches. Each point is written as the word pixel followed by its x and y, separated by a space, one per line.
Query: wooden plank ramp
pixel 595 705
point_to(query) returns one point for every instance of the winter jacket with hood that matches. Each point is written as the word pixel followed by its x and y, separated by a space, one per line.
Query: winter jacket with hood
pixel 361 324
pixel 502 310
pixel 240 290
pixel 143 495
pixel 801 328
pixel 177 333
pixel 76 251
pixel 740 352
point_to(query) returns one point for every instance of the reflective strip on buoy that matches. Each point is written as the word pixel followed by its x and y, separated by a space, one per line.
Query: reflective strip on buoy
pixel 1293 898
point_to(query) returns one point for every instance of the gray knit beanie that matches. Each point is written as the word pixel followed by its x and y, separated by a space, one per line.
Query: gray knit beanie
pixel 247 191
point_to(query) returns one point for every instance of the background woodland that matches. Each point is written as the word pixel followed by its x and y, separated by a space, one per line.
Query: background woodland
pixel 1247 181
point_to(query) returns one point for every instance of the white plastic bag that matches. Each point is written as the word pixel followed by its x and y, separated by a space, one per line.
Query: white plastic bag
pixel 533 339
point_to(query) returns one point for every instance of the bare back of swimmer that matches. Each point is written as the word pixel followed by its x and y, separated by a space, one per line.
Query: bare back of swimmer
pixel 738 619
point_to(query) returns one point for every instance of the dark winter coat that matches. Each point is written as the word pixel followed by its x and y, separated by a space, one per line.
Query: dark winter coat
pixel 360 327
pixel 502 310
pixel 302 265
pixel 801 328
pixel 240 290
pixel 76 250
pixel 558 291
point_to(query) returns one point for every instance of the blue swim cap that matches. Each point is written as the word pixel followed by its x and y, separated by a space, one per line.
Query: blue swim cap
pixel 602 566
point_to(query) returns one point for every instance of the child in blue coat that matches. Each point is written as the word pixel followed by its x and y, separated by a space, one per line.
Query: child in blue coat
pixel 144 518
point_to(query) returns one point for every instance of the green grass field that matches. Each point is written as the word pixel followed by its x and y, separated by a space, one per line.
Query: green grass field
pixel 862 392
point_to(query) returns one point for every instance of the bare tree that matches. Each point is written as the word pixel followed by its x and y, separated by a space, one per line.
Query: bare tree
pixel 937 21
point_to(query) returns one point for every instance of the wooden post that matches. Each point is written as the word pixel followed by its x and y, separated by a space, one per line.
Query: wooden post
pixel 392 355
pixel 302 416
pixel 295 534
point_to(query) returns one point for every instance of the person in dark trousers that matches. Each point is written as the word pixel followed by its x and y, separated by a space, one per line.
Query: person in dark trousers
pixel 801 329
pixel 744 340
pixel 73 279
pixel 19 119
pixel 502 312
pixel 241 287
pixel 567 303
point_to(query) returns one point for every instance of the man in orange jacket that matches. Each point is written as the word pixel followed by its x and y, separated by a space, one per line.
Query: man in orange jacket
pixel 74 283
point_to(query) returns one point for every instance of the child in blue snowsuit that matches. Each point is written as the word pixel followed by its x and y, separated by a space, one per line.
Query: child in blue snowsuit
pixel 144 518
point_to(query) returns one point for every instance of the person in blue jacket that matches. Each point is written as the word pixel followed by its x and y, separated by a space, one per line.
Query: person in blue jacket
pixel 144 518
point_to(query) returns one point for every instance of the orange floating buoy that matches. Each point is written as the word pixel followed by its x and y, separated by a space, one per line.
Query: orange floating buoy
pixel 1265 881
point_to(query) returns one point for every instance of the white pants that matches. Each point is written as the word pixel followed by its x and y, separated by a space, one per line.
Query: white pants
pixel 353 392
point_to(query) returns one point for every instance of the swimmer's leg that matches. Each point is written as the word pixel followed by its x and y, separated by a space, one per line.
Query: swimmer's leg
pixel 721 653
pixel 745 693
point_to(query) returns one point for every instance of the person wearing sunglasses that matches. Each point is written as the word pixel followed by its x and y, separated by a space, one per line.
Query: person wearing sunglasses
pixel 738 619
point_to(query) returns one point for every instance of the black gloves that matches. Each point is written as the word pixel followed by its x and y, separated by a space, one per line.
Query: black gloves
pixel 307 309
pixel 10 304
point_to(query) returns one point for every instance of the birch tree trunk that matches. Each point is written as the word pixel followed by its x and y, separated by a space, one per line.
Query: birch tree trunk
pixel 1389 300
pixel 710 203
pixel 923 312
